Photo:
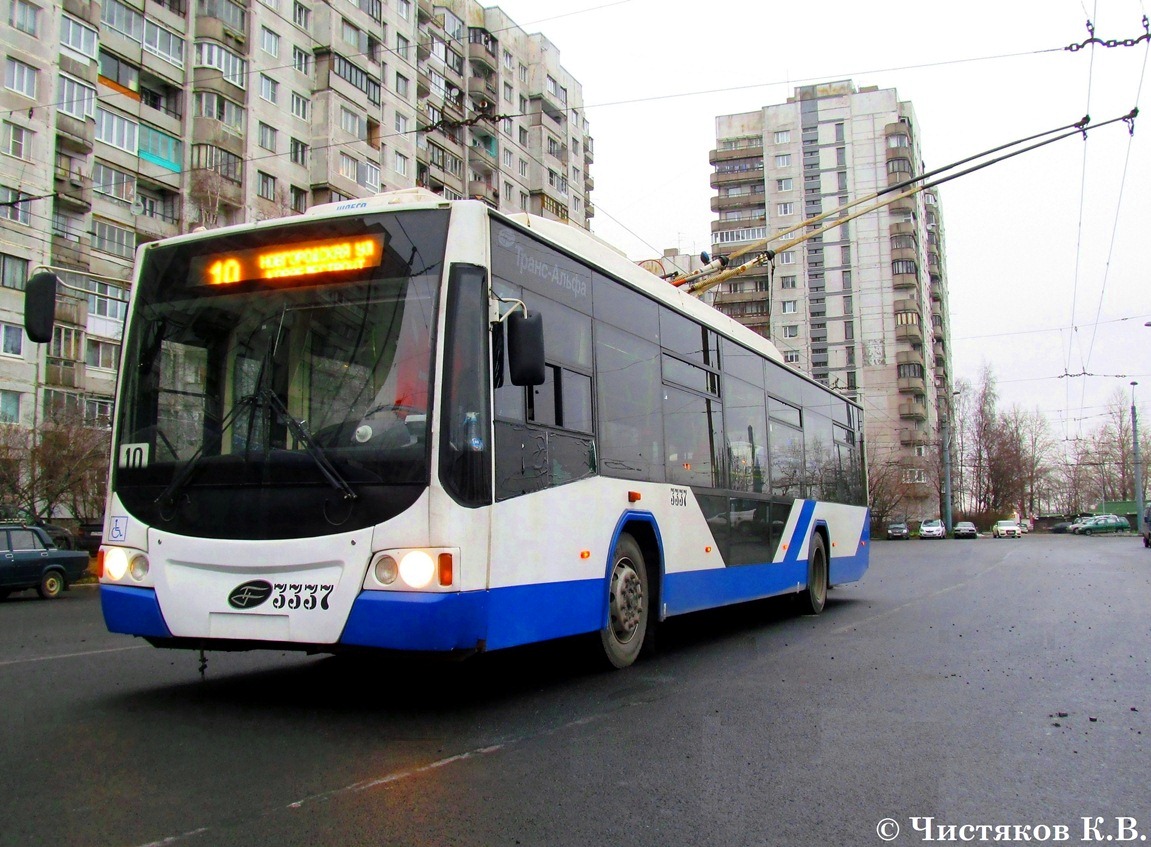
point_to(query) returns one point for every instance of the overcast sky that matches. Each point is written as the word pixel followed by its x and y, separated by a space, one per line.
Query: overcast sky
pixel 1040 249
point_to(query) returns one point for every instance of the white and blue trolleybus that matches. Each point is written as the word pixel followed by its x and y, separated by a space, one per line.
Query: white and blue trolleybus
pixel 411 424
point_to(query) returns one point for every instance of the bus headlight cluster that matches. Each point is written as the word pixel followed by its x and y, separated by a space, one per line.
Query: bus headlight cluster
pixel 121 562
pixel 414 569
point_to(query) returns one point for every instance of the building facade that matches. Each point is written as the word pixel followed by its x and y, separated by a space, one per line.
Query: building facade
pixel 125 121
pixel 861 307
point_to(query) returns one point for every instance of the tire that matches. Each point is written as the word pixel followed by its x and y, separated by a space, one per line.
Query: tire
pixel 51 585
pixel 814 598
pixel 628 604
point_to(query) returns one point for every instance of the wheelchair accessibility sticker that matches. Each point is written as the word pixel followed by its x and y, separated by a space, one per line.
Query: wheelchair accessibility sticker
pixel 119 529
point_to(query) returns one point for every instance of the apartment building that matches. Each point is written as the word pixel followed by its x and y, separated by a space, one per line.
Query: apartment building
pixel 125 121
pixel 862 307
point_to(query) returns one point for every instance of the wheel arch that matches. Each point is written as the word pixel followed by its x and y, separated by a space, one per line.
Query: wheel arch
pixel 641 526
pixel 820 529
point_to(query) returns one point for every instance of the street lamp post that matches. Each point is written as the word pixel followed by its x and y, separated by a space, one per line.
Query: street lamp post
pixel 1139 505
pixel 946 441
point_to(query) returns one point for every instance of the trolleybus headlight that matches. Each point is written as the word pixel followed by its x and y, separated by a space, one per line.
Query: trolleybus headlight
pixel 115 563
pixel 138 567
pixel 417 568
pixel 386 570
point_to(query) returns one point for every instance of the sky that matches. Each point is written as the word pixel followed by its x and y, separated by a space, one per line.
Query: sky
pixel 1043 250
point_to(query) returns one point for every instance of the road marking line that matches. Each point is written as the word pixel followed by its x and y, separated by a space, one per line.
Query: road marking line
pixel 72 655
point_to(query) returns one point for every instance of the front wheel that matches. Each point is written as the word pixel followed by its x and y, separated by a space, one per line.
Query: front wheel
pixel 628 604
pixel 51 584
pixel 814 598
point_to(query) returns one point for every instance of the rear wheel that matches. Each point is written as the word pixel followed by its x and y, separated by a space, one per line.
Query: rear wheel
pixel 628 604
pixel 814 598
pixel 51 584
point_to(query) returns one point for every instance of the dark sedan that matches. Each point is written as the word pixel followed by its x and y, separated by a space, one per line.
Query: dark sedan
pixel 29 559
pixel 898 530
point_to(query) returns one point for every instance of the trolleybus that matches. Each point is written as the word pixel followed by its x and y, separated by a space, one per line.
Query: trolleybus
pixel 413 424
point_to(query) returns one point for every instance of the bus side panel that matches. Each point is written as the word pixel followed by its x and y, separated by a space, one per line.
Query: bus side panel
pixel 849 528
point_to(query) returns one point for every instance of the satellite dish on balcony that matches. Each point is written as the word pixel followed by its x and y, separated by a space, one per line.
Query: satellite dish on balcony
pixel 137 207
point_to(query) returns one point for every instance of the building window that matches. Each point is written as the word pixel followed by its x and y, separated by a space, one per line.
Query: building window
pixel 269 42
pixel 13 271
pixel 783 160
pixel 68 226
pixel 20 77
pixel 791 357
pixel 208 104
pixel 348 167
pixel 9 406
pixel 782 136
pixel 23 16
pixel 269 88
pixel 226 164
pixel 75 98
pixel 113 182
pixel 12 339
pixel 301 106
pixel 791 331
pixel 402 85
pixel 267 137
pixel 301 60
pixel 904 266
pixel 298 152
pixel 299 199
pixel 790 307
pixel 787 257
pixel 107 237
pixel 265 185
pixel 77 36
pixel 124 19
pixel 164 43
pixel 14 205
pixel 232 67
pixel 101 354
pixel 401 164
pixel 785 209
pixel 401 124
pixel 17 141
pixel 787 282
pixel 301 15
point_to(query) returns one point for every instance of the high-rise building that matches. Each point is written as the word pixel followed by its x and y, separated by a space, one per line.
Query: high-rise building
pixel 862 307
pixel 125 121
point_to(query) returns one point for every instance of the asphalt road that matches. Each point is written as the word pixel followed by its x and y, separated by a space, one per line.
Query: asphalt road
pixel 978 683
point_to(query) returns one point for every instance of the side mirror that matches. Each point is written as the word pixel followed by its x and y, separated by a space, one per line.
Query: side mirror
pixel 526 348
pixel 40 306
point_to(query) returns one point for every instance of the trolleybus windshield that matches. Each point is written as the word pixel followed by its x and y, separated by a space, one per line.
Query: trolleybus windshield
pixel 281 368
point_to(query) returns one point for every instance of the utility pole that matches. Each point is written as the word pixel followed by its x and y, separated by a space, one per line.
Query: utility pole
pixel 1139 505
pixel 946 441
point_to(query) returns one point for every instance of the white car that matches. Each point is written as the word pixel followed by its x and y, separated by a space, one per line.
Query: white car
pixel 932 529
pixel 1006 529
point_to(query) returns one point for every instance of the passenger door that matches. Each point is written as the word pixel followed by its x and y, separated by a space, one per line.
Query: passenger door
pixel 28 555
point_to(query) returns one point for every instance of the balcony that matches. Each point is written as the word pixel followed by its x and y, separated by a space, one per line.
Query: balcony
pixel 64 373
pixel 487 192
pixel 913 437
pixel 483 89
pixel 912 384
pixel 913 411
pixel 911 333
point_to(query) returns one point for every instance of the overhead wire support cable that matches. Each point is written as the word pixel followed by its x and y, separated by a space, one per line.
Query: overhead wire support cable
pixel 700 283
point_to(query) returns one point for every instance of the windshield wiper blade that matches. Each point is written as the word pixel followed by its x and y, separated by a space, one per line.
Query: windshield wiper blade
pixel 304 437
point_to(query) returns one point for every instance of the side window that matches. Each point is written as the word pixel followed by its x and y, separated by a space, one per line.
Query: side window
pixel 629 405
pixel 25 539
pixel 785 459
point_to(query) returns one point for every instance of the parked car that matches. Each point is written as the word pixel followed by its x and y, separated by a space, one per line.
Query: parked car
pixel 1078 523
pixel 932 529
pixel 898 530
pixel 1105 523
pixel 89 537
pixel 1061 527
pixel 1024 526
pixel 965 529
pixel 1006 529
pixel 29 559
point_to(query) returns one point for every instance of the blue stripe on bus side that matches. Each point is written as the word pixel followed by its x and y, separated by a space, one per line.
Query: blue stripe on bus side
pixel 692 591
pixel 132 611
pixel 502 617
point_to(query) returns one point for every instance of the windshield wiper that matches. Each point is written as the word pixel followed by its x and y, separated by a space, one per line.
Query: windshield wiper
pixel 299 431
pixel 304 437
